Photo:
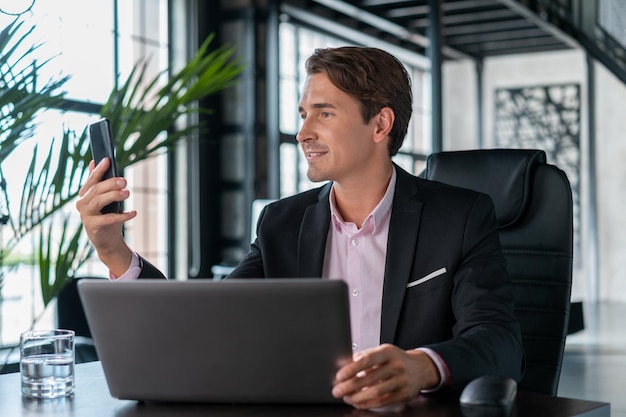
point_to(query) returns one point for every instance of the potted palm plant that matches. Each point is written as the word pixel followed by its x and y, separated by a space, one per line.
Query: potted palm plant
pixel 140 111
pixel 21 99
pixel 143 113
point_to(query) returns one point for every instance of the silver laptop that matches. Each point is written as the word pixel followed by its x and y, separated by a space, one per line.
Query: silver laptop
pixel 233 341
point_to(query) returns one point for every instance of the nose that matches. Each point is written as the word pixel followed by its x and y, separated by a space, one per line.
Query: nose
pixel 305 133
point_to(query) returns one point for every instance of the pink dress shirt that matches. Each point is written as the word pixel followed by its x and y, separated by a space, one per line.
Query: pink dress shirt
pixel 358 256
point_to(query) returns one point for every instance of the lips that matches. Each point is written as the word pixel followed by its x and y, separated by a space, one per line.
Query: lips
pixel 314 153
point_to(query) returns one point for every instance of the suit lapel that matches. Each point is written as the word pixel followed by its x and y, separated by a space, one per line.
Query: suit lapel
pixel 401 247
pixel 313 235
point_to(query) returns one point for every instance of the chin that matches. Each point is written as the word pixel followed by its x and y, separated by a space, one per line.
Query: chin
pixel 316 176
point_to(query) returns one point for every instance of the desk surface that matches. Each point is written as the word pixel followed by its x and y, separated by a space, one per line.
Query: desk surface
pixel 92 398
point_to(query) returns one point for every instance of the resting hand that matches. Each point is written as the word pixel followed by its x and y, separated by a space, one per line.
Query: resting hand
pixel 105 230
pixel 383 376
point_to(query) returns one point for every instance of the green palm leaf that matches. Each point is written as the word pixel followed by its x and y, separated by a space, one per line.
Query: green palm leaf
pixel 61 253
pixel 141 111
pixel 142 115
pixel 20 99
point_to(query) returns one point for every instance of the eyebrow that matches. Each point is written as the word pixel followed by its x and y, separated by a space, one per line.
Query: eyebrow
pixel 322 105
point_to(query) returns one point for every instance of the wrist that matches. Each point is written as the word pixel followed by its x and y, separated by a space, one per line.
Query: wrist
pixel 445 379
pixel 429 372
pixel 118 261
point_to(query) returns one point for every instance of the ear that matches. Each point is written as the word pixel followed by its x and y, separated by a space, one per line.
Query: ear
pixel 385 119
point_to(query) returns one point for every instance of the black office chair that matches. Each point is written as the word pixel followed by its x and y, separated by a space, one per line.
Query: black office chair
pixel 71 316
pixel 533 203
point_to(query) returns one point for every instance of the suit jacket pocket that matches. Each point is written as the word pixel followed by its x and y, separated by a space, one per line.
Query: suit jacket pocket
pixel 427 282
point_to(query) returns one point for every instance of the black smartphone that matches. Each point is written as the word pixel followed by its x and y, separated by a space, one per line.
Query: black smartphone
pixel 102 146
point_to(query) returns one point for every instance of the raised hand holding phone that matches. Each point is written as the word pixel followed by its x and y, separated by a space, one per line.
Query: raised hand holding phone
pixel 101 139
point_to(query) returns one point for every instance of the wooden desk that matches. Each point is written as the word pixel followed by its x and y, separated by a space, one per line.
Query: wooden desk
pixel 91 398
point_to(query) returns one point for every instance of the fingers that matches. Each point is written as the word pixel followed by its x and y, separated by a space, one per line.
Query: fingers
pixel 105 230
pixel 377 377
pixel 99 195
pixel 380 392
pixel 95 193
pixel 363 360
pixel 95 175
pixel 367 369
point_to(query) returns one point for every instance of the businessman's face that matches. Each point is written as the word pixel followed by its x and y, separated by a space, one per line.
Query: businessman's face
pixel 336 142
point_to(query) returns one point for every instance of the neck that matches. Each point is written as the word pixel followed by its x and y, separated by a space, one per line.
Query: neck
pixel 355 201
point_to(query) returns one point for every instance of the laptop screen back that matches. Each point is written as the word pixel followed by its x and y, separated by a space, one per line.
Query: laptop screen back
pixel 234 341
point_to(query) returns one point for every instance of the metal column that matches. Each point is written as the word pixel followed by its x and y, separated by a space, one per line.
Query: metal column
pixel 434 53
pixel 593 284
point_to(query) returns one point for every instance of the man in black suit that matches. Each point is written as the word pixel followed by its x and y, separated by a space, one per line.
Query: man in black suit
pixel 432 304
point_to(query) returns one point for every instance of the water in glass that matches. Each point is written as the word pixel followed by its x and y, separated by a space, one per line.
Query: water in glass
pixel 47 364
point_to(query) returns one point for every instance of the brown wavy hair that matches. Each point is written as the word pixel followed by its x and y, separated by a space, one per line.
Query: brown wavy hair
pixel 374 77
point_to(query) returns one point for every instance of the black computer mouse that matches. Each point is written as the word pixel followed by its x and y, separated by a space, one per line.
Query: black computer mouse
pixel 488 396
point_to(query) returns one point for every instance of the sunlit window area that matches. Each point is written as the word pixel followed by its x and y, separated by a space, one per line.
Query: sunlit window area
pixel 89 58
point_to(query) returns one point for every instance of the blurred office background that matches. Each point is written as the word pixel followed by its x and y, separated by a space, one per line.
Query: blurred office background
pixel 548 74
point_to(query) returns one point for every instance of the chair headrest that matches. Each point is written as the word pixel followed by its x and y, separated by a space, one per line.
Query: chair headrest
pixel 503 174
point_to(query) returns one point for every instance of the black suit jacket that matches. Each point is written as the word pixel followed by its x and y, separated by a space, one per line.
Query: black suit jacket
pixel 463 307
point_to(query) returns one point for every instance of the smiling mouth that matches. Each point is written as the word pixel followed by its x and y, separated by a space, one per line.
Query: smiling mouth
pixel 314 154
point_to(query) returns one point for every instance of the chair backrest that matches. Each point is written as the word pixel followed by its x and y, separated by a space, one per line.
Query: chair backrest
pixel 221 270
pixel 533 203
pixel 257 206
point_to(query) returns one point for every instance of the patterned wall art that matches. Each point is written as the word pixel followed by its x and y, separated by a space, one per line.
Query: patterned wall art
pixel 544 117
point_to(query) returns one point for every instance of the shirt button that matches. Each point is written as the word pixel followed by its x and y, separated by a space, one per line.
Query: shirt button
pixel 354 346
pixel 354 242
pixel 355 292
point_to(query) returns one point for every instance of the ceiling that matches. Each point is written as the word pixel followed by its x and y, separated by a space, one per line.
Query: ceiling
pixel 471 28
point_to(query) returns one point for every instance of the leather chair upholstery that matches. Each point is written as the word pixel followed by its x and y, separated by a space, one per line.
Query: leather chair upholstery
pixel 71 315
pixel 533 203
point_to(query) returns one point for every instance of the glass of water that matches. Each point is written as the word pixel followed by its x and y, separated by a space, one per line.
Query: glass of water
pixel 47 363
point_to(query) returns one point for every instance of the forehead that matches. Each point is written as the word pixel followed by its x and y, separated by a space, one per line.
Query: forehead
pixel 319 89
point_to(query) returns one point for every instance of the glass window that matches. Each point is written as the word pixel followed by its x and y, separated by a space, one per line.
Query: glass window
pixel 82 47
pixel 97 53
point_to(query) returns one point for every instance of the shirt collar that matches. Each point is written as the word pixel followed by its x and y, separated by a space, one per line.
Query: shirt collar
pixel 376 216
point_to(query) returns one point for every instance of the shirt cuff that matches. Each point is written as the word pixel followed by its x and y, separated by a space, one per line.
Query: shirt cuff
pixel 445 379
pixel 132 272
